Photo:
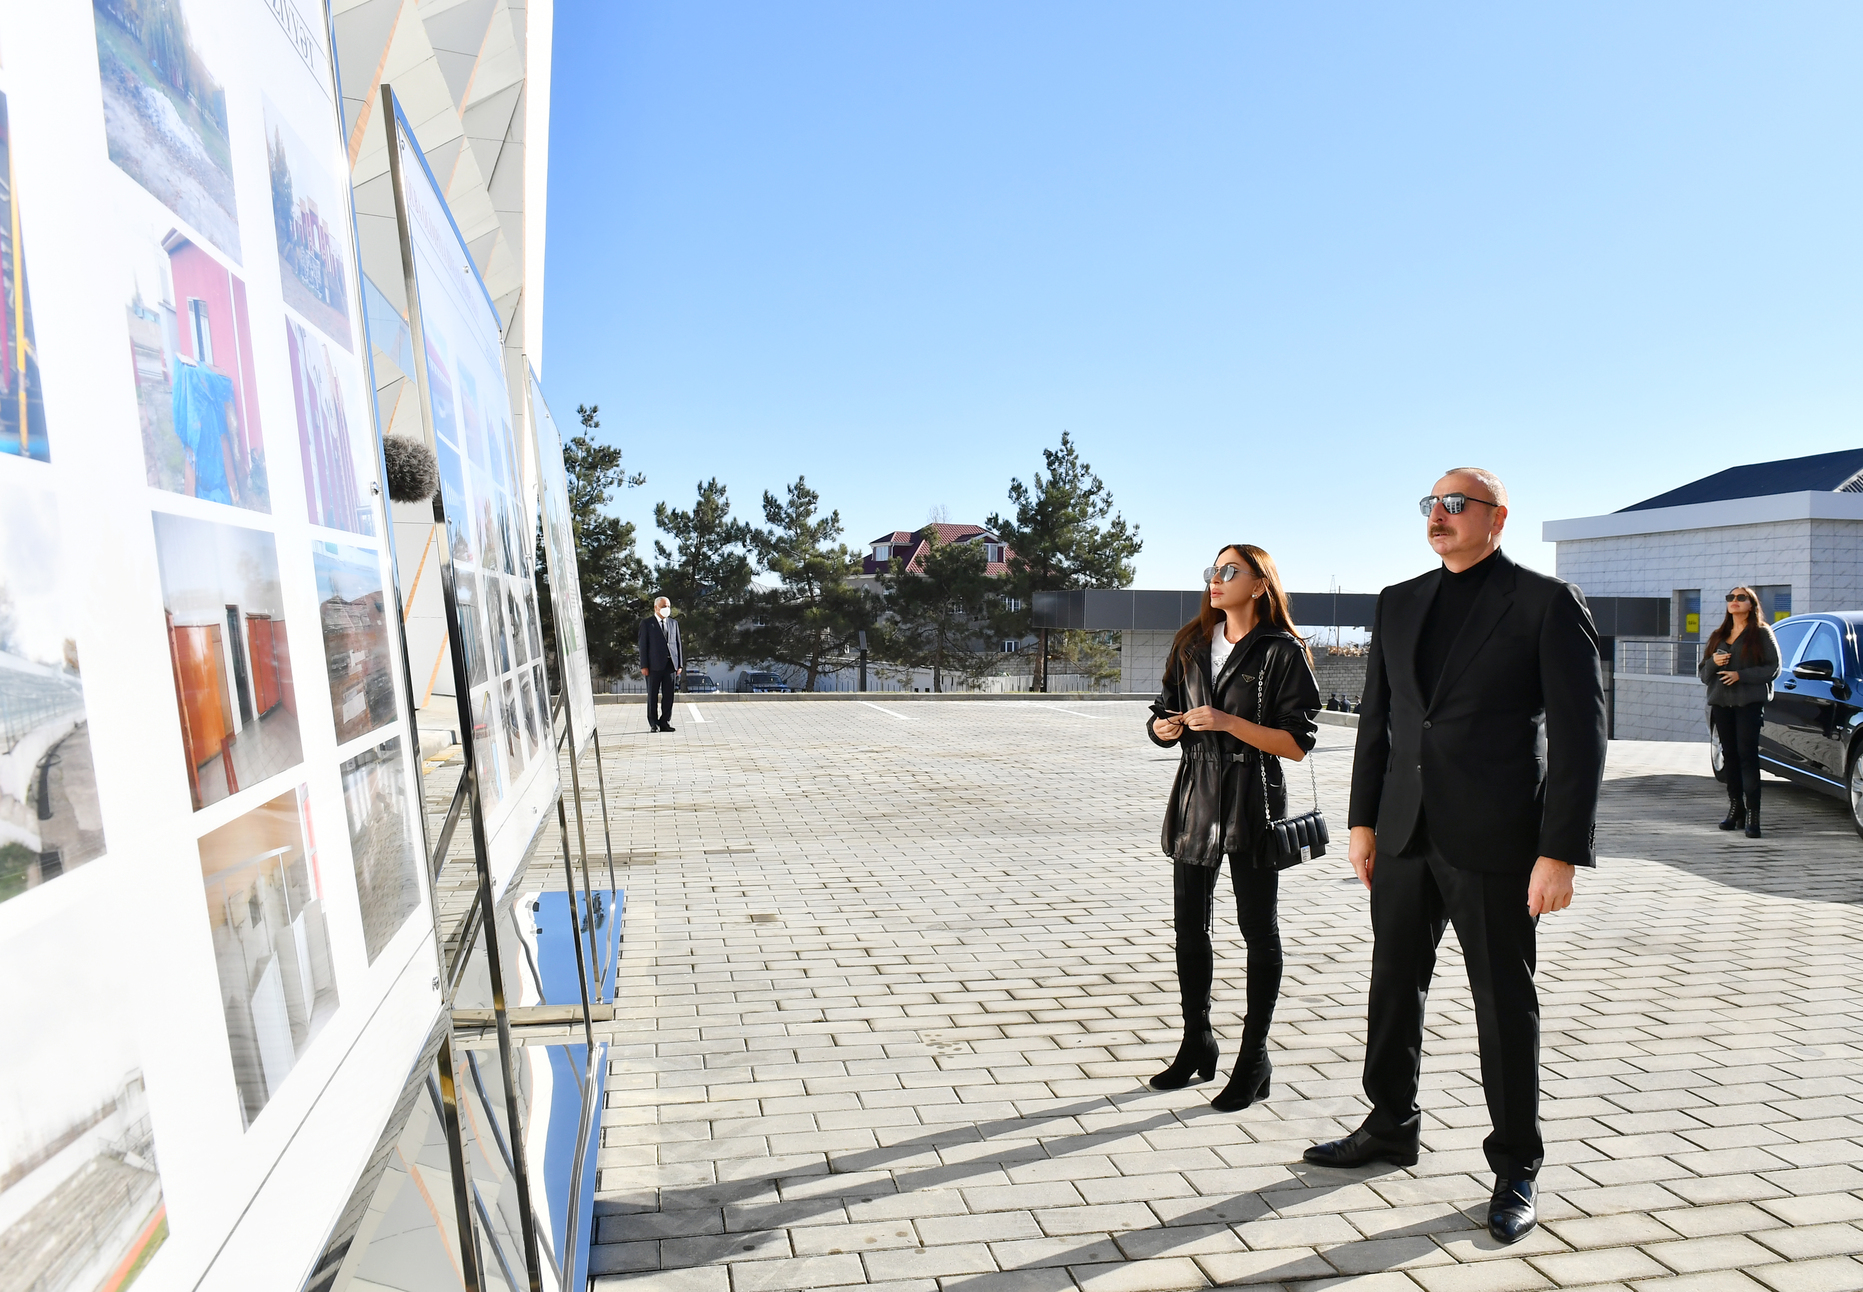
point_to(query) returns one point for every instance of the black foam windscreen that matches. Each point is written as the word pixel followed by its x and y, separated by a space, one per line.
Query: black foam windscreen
pixel 413 474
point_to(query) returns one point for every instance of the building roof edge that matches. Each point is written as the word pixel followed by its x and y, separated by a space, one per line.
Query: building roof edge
pixel 1817 505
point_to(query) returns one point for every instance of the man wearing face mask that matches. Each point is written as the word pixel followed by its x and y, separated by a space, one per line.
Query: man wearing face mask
pixel 661 658
pixel 1481 747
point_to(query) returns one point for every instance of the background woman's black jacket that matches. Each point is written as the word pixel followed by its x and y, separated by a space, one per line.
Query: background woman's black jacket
pixel 1756 660
pixel 1215 809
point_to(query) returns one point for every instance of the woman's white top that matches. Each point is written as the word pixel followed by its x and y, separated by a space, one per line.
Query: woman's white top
pixel 1220 647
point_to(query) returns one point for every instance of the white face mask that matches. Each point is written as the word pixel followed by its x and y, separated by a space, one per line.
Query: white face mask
pixel 663 611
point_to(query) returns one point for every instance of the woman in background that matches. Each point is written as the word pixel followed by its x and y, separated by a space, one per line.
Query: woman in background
pixel 1738 665
pixel 1239 696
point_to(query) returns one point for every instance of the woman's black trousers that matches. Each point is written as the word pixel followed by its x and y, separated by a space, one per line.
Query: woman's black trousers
pixel 1737 726
pixel 1256 895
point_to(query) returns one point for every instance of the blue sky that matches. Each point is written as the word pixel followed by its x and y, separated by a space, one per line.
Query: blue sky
pixel 1273 266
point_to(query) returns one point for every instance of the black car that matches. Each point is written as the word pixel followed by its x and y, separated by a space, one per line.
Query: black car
pixel 756 680
pixel 1813 730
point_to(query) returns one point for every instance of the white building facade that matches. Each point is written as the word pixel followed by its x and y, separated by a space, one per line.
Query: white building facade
pixel 1800 549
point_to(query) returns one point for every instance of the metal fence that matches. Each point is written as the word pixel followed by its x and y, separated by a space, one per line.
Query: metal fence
pixel 885 679
pixel 1660 658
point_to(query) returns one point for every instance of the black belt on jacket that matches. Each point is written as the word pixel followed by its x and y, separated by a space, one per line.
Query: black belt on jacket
pixel 1202 754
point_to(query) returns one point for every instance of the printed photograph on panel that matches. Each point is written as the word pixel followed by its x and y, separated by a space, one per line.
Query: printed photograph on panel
pixel 22 401
pixel 197 399
pixel 335 494
pixel 383 841
pixel 232 665
pixel 527 702
pixel 50 821
pixel 356 650
pixel 271 943
pixel 471 632
pixel 312 225
pixel 495 621
pixel 81 1205
pixel 453 499
pixel 520 635
pixel 485 734
pixel 165 113
pixel 513 726
pixel 541 689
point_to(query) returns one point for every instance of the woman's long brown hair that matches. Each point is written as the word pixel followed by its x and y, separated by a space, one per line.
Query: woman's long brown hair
pixel 1271 609
pixel 1749 653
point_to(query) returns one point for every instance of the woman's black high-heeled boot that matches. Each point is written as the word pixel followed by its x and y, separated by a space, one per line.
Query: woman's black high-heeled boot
pixel 1252 1079
pixel 1196 1057
pixel 1736 810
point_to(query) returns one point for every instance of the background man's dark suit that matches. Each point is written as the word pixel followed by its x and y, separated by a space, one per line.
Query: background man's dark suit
pixel 662 656
pixel 1465 794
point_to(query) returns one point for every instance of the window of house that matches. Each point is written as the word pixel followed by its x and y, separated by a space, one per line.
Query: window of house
pixel 1775 601
pixel 203 334
pixel 882 552
pixel 1688 614
pixel 1010 648
pixel 1012 604
pixel 993 551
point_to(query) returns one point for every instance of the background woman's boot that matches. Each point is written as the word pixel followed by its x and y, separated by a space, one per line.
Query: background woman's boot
pixel 1196 1056
pixel 1736 810
pixel 1253 1073
pixel 1752 822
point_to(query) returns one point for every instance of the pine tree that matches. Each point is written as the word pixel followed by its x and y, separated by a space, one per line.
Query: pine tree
pixel 707 574
pixel 1061 538
pixel 612 574
pixel 812 617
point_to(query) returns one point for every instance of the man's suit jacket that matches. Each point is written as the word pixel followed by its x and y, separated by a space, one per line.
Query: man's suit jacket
pixel 660 651
pixel 1493 791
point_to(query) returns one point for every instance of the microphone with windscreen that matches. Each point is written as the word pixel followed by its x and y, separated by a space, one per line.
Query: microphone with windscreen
pixel 413 474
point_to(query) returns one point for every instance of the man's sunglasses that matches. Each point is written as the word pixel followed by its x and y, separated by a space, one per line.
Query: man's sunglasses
pixel 1453 503
pixel 1223 573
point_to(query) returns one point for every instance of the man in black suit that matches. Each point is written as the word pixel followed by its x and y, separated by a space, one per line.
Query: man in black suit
pixel 1474 795
pixel 661 658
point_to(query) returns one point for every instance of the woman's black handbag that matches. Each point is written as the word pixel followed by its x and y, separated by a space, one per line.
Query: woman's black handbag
pixel 1292 839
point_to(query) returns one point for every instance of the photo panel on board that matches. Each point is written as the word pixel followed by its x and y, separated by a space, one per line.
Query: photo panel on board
pixel 383 839
pixel 232 663
pixel 353 608
pixel 190 351
pixel 308 217
pixel 271 942
pixel 336 492
pixel 81 1201
pixel 164 113
pixel 22 399
pixel 50 818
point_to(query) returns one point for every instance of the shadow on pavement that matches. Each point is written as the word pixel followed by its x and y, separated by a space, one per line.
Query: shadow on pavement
pixel 1809 852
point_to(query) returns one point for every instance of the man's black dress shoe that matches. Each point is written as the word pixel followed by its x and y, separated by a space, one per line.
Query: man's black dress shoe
pixel 1511 1211
pixel 666 726
pixel 1360 1147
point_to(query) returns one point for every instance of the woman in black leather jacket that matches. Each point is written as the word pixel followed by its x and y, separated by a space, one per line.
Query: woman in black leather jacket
pixel 1239 697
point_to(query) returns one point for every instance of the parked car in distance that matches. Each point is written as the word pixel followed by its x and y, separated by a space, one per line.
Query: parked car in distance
pixel 1813 729
pixel 756 680
pixel 697 683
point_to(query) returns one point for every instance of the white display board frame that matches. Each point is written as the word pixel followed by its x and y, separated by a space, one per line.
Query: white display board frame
pixel 160 258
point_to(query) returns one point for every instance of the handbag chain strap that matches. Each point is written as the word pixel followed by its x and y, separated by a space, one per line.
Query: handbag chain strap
pixel 1262 755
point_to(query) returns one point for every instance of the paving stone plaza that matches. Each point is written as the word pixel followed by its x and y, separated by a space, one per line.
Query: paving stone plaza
pixel 895 974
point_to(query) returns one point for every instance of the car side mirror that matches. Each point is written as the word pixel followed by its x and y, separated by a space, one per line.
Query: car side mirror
pixel 1816 670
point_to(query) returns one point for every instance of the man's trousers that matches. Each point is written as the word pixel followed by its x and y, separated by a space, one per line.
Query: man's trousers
pixel 1413 896
pixel 660 698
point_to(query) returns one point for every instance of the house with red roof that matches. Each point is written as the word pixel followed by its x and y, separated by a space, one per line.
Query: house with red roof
pixel 910 546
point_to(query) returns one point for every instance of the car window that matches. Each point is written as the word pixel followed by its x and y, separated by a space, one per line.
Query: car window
pixel 1790 634
pixel 1825 646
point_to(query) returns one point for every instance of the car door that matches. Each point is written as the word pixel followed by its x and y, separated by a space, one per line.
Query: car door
pixel 1773 744
pixel 1808 723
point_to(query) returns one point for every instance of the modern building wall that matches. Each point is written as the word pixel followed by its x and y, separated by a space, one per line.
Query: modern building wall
pixel 473 77
pixel 1811 542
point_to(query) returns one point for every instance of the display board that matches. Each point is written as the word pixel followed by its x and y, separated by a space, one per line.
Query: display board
pixel 212 899
pixel 559 545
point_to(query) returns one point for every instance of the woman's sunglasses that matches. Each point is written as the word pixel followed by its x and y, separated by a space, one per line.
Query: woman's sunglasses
pixel 1738 596
pixel 1224 573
